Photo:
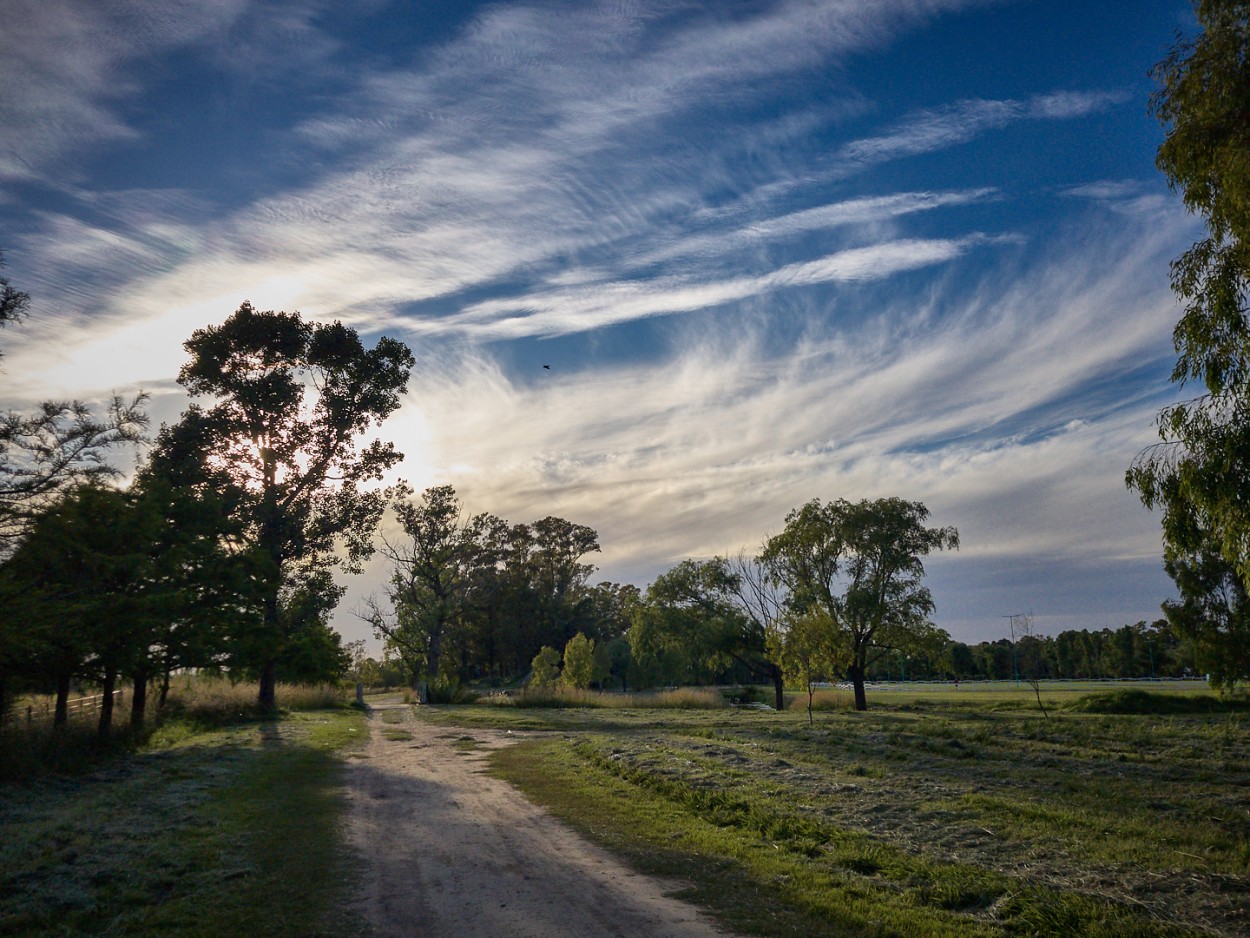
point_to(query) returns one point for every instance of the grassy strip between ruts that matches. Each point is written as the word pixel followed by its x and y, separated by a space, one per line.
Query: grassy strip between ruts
pixel 229 831
pixel 768 872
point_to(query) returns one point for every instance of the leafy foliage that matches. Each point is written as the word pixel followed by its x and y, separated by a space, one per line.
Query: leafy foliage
pixel 137 583
pixel 1199 473
pixel 13 302
pixel 1212 615
pixel 545 668
pixel 291 399
pixel 857 567
pixel 474 597
pixel 805 646
pixel 705 621
pixel 579 662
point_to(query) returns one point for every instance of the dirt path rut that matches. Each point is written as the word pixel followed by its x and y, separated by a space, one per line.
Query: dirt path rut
pixel 448 850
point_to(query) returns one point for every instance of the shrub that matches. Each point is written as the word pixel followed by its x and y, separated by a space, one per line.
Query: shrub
pixel 545 668
pixel 449 691
pixel 1148 702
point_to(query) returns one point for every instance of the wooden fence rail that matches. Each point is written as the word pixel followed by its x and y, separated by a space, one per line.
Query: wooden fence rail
pixel 75 708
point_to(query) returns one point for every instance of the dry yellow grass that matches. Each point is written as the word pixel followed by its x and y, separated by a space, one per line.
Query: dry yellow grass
pixel 683 698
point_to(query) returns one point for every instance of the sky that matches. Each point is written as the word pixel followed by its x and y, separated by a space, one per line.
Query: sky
pixel 770 251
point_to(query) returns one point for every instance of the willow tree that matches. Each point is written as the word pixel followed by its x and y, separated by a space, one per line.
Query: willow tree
pixel 291 402
pixel 858 568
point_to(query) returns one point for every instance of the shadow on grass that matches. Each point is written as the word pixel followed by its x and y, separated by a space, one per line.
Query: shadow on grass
pixel 222 832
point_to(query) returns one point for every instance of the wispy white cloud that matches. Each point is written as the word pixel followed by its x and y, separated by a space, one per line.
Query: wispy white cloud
pixel 872 215
pixel 1066 105
pixel 951 125
pixel 559 169
pixel 62 65
pixel 705 452
pixel 507 150
pixel 1106 190
pixel 585 307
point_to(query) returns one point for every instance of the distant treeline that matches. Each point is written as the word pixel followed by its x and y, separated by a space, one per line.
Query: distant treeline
pixel 1140 650
pixel 1130 652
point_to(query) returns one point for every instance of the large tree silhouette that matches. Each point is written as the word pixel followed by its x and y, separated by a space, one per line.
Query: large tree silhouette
pixel 291 402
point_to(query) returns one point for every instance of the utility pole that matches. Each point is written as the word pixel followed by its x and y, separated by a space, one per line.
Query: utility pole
pixel 1015 668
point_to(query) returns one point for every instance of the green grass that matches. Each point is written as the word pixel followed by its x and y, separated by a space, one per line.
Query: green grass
pixel 225 831
pixel 914 821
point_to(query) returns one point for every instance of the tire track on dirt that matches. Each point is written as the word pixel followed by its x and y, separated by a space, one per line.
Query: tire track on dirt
pixel 447 849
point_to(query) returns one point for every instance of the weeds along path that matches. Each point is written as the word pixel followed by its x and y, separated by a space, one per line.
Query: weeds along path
pixel 447 849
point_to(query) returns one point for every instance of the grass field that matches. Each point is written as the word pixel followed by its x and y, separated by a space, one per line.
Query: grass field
pixel 916 818
pixel 935 813
pixel 206 831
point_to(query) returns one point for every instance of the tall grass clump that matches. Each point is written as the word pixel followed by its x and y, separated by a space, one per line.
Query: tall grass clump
pixel 450 692
pixel 206 699
pixel 554 696
pixel 827 698
pixel 682 698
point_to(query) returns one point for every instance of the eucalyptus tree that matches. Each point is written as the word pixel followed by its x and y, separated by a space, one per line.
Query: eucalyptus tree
pixel 1212 615
pixel 290 402
pixel 544 562
pixel 475 595
pixel 859 567
pixel 1199 473
pixel 444 558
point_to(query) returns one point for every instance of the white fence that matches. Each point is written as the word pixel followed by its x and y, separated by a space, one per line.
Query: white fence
pixel 45 711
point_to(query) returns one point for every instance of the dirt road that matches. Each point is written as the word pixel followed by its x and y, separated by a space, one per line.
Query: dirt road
pixel 449 851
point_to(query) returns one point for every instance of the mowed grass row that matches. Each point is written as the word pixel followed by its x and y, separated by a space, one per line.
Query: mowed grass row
pixel 914 822
pixel 206 831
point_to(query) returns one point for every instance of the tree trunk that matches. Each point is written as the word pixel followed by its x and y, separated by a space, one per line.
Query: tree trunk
pixel 268 698
pixel 61 719
pixel 856 673
pixel 779 688
pixel 434 658
pixel 106 703
pixel 160 701
pixel 139 700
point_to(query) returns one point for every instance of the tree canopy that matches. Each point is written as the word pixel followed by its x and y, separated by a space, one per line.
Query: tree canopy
pixel 858 566
pixel 1203 462
pixel 1199 473
pixel 477 597
pixel 291 400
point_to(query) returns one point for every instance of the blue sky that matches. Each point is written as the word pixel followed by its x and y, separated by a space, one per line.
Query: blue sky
pixel 772 251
